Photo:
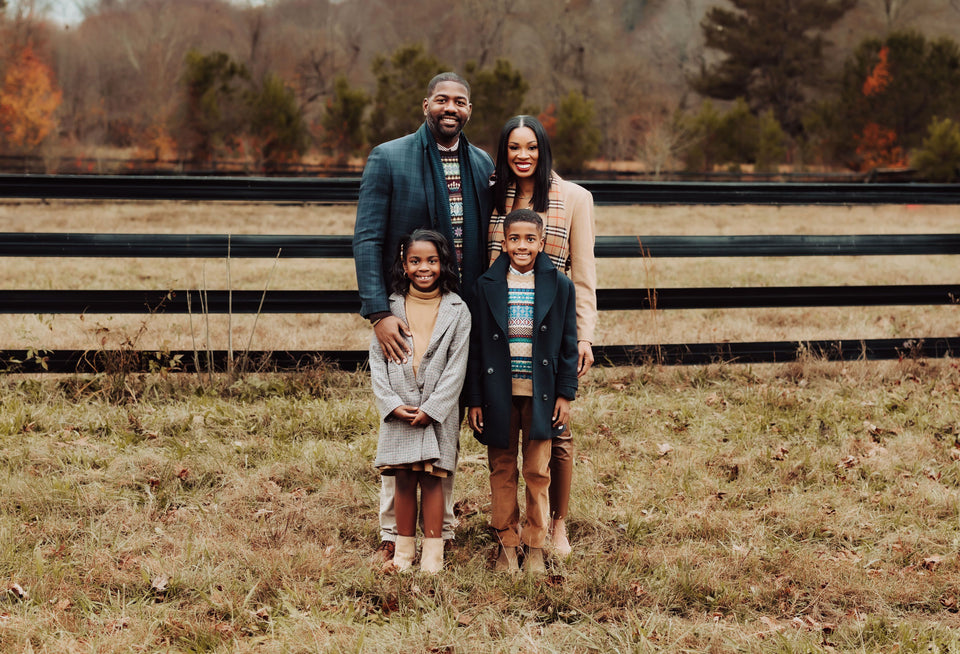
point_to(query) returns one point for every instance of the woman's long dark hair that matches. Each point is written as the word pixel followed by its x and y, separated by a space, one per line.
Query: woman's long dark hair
pixel 541 176
pixel 449 281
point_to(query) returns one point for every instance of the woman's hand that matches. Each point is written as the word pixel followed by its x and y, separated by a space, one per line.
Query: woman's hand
pixel 585 358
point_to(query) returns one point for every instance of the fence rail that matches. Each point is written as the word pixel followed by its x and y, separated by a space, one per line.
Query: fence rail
pixel 346 189
pixel 339 246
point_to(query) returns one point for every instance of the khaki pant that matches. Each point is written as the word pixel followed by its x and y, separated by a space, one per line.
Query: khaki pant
pixel 504 477
pixel 561 475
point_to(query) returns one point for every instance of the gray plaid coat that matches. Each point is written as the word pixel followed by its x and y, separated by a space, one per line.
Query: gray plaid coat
pixel 435 389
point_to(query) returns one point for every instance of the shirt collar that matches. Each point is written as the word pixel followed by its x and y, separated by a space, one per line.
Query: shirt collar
pixel 514 271
pixel 452 148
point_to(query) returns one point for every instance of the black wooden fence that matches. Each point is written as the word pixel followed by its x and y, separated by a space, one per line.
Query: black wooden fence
pixel 321 191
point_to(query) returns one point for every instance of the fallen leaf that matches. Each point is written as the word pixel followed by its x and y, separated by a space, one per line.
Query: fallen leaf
pixel 464 620
pixel 715 399
pixel 262 513
pixel 272 487
pixel 118 624
pixel 159 583
pixel 664 449
pixel 770 623
pixel 931 562
pixel 848 462
pixel 263 613
pixel 781 453
pixel 17 591
pixel 465 507
pixel 183 474
pixel 933 474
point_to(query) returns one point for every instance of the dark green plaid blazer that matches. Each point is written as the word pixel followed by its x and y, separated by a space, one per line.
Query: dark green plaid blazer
pixel 397 196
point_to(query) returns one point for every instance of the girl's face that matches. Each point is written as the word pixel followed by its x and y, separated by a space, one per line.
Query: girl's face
pixel 421 264
pixel 522 152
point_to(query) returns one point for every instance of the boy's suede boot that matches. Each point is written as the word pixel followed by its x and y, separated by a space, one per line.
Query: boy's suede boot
pixel 406 550
pixel 431 558
pixel 507 560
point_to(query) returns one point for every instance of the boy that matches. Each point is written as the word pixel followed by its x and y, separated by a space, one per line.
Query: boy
pixel 521 378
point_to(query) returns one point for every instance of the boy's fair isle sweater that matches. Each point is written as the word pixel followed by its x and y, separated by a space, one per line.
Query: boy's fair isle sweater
pixel 520 294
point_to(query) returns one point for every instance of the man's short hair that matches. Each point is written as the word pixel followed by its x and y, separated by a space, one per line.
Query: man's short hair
pixel 447 77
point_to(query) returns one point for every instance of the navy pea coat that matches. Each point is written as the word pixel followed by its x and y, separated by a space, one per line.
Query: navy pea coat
pixel 397 196
pixel 554 351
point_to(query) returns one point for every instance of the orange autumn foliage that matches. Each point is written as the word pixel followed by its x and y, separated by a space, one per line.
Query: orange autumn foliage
pixel 28 100
pixel 877 145
pixel 877 148
pixel 548 119
pixel 879 77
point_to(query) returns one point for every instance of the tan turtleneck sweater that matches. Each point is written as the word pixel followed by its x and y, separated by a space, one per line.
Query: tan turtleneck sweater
pixel 422 309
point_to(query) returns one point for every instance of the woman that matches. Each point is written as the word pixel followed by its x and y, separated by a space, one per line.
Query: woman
pixel 524 178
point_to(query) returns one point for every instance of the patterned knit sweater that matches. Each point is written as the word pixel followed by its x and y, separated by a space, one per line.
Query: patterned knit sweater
pixel 520 294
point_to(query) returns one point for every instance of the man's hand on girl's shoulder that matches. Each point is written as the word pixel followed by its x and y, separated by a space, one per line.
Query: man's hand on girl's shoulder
pixel 390 333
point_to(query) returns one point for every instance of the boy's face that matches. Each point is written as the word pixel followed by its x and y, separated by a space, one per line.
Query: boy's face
pixel 522 241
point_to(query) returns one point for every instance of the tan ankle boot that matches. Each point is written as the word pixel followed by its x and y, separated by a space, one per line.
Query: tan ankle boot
pixel 406 550
pixel 561 544
pixel 431 558
pixel 507 560
pixel 534 563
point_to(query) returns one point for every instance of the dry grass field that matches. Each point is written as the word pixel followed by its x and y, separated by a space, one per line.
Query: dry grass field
pixel 802 507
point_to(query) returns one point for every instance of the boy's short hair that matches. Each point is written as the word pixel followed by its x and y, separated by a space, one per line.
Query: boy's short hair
pixel 523 216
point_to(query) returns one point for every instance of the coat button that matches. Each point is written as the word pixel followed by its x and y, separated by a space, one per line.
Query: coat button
pixel 545 362
pixel 545 398
pixel 427 355
pixel 489 371
pixel 543 328
pixel 496 337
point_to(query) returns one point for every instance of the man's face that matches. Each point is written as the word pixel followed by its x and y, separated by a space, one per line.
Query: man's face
pixel 447 110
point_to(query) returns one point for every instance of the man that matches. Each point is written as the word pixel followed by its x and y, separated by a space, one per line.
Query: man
pixel 433 179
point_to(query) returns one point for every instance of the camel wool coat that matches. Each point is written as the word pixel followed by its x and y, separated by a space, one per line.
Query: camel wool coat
pixel 435 389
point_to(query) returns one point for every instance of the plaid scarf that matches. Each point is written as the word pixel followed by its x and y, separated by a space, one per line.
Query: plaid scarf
pixel 556 230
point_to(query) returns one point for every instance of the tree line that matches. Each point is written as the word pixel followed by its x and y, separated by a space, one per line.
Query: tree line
pixel 700 85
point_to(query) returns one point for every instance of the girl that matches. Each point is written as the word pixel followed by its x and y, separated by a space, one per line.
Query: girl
pixel 524 179
pixel 418 400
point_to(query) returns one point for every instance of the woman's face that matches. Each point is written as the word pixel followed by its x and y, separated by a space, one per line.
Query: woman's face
pixel 522 152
